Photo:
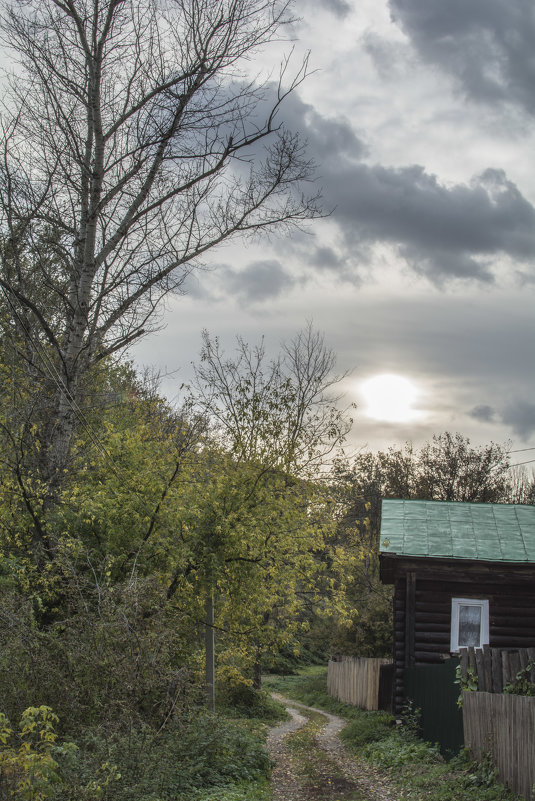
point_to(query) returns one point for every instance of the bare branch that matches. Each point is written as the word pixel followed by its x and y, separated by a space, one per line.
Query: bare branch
pixel 124 138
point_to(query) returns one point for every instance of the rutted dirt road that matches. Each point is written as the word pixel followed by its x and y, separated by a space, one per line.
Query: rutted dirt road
pixel 311 763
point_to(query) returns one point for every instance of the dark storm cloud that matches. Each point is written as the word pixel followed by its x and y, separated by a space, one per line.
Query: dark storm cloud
pixel 520 416
pixel 442 231
pixel 339 8
pixel 259 281
pixel 483 413
pixel 487 45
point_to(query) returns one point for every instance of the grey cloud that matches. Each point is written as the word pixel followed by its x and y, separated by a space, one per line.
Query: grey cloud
pixel 484 413
pixel 347 265
pixel 259 281
pixel 441 265
pixel 388 58
pixel 487 45
pixel 525 278
pixel 195 287
pixel 340 8
pixel 520 415
pixel 326 259
pixel 443 232
pixel 328 138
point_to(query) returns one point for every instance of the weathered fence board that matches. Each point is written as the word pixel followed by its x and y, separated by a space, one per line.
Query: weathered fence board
pixel 504 726
pixel 496 667
pixel 355 680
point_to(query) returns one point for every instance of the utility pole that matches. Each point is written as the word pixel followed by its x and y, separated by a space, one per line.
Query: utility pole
pixel 210 651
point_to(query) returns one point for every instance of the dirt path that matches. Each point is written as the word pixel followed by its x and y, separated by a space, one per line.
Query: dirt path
pixel 311 763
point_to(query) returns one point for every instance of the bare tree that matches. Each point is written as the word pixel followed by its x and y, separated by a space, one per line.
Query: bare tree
pixel 132 144
pixel 279 414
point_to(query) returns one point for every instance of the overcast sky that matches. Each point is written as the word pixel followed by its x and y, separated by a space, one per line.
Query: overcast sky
pixel 421 118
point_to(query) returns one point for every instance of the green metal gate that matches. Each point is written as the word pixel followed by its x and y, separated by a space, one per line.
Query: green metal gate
pixel 434 692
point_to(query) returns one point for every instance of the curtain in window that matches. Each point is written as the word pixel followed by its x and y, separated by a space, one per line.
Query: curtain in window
pixel 469 626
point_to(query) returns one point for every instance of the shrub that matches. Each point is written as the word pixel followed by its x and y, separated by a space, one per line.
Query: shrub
pixel 245 701
pixel 28 769
pixel 396 751
pixel 368 727
pixel 202 752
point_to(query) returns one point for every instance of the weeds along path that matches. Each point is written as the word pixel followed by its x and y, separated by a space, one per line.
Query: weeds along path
pixel 311 763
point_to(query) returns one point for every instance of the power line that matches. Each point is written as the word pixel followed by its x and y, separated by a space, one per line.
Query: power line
pixel 521 450
pixel 518 464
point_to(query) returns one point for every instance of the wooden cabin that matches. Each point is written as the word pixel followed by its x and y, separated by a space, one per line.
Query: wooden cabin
pixel 463 575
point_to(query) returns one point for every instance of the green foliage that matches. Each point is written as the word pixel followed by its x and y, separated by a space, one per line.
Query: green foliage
pixel 29 769
pixel 102 593
pixel 522 685
pixel 245 701
pixel 116 657
pixel 396 751
pixel 367 728
pixel 309 687
pixel 251 791
pixel 468 683
pixel 411 720
pixel 192 755
pixel 289 659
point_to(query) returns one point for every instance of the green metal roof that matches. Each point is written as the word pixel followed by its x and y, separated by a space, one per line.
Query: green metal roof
pixel 486 531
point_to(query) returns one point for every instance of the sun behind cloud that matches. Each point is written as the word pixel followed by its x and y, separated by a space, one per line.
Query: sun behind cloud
pixel 391 398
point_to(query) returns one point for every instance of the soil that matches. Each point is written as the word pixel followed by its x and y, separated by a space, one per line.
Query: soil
pixel 336 776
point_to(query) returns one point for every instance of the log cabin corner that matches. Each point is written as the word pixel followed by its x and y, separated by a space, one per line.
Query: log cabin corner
pixel 463 575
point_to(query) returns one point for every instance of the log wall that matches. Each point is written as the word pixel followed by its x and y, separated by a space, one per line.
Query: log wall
pixel 422 616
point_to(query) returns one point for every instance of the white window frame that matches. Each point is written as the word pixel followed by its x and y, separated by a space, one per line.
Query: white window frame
pixel 456 603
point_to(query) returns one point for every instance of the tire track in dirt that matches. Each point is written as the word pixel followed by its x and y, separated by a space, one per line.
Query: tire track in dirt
pixel 285 786
pixel 357 777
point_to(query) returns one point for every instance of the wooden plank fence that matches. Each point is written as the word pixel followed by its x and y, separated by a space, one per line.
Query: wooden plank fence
pixel 355 680
pixel 504 727
pixel 496 667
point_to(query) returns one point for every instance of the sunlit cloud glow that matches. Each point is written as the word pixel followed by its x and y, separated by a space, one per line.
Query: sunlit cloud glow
pixel 391 398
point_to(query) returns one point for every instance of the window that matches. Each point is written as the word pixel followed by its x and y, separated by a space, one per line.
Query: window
pixel 469 623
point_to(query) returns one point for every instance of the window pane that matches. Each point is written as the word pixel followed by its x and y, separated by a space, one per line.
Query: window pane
pixel 469 626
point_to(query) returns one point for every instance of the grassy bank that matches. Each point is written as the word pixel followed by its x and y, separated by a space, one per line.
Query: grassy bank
pixel 415 767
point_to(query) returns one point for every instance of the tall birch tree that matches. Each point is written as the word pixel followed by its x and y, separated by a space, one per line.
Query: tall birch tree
pixel 133 142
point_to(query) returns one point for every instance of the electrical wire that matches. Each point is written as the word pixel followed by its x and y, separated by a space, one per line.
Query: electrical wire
pixel 518 464
pixel 521 450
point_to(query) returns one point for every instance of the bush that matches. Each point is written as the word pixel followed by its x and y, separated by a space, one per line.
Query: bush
pixel 111 657
pixel 203 752
pixel 396 751
pixel 244 701
pixel 28 769
pixel 368 727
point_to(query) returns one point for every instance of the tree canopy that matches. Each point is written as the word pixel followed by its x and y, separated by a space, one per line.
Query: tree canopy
pixel 133 142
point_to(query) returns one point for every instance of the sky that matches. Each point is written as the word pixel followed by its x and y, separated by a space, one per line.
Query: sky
pixel 420 117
